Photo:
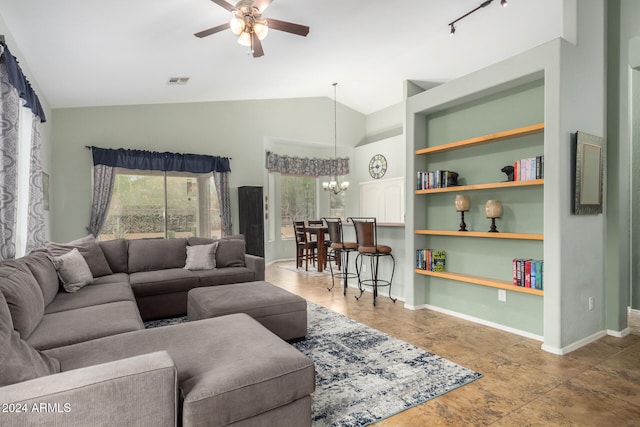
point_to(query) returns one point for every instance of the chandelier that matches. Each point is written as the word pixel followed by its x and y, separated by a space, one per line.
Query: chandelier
pixel 333 185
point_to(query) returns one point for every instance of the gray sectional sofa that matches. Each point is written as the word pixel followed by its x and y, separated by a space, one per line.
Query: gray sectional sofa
pixel 84 357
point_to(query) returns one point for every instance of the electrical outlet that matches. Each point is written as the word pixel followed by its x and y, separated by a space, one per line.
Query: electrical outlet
pixel 502 295
pixel 590 303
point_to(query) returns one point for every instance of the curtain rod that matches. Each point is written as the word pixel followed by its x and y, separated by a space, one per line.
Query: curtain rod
pixel 89 147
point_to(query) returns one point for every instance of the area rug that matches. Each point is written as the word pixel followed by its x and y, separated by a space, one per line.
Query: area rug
pixel 364 375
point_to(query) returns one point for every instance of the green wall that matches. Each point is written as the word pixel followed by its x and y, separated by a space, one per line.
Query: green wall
pixel 522 207
pixel 236 129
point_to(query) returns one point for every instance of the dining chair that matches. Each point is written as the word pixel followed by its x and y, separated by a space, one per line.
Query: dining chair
pixel 367 246
pixel 305 249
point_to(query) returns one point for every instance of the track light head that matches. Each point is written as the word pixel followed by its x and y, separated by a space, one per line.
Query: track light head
pixel 504 3
pixel 453 29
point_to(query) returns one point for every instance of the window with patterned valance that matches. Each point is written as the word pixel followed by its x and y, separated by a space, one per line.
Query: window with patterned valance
pixel 289 165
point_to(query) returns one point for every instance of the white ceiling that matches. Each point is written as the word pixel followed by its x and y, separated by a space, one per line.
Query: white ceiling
pixel 117 52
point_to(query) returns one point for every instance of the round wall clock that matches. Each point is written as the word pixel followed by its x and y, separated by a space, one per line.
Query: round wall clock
pixel 377 166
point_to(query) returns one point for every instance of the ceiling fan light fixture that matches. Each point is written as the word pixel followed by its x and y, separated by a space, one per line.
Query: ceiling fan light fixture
pixel 236 25
pixel 261 29
pixel 245 39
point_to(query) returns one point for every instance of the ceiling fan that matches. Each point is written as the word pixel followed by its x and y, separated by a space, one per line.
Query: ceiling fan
pixel 247 23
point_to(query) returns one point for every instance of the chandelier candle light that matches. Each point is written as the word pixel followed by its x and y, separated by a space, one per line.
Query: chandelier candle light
pixel 462 206
pixel 333 184
pixel 493 209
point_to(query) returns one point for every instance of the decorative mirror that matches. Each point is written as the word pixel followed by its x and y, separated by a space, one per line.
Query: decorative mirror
pixel 588 173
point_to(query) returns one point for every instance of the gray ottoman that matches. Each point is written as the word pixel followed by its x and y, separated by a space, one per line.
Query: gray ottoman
pixel 280 311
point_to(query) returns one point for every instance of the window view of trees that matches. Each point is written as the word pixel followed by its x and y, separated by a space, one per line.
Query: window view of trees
pixel 298 202
pixel 141 201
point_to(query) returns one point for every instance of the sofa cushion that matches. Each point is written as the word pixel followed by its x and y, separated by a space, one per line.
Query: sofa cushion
pixel 195 240
pixel 90 250
pixel 84 324
pixel 225 276
pixel 23 295
pixel 163 281
pixel 45 273
pixel 156 254
pixel 73 271
pixel 20 361
pixel 116 253
pixel 112 278
pixel 230 368
pixel 230 253
pixel 91 295
pixel 201 257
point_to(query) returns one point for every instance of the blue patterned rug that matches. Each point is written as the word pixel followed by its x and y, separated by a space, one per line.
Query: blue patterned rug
pixel 364 375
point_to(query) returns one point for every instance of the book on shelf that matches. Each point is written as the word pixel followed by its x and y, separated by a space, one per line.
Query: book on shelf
pixel 528 273
pixel 436 179
pixel 528 169
pixel 431 259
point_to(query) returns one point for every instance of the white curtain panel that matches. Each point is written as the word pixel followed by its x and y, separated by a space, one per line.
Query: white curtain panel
pixel 35 219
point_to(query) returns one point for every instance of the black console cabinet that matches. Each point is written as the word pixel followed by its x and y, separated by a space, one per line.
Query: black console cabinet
pixel 252 218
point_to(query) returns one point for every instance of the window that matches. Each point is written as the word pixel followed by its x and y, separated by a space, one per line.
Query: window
pixel 159 204
pixel 297 202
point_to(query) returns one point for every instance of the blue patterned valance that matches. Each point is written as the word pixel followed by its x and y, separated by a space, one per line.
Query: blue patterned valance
pixel 152 160
pixel 289 165
pixel 18 80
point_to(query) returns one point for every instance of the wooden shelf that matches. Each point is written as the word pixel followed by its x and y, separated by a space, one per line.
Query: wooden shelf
pixel 485 139
pixel 483 281
pixel 474 187
pixel 486 234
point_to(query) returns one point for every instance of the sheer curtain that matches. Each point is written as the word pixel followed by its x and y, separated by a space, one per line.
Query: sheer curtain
pixel 221 180
pixel 103 179
pixel 9 132
pixel 35 213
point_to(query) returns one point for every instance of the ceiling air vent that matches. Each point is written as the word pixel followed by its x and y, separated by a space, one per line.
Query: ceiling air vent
pixel 178 80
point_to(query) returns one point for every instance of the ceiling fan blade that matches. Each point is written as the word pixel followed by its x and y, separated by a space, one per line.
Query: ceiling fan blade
pixel 222 3
pixel 261 5
pixel 289 27
pixel 212 30
pixel 256 46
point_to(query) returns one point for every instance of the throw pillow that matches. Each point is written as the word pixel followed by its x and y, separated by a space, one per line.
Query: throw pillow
pixel 230 253
pixel 89 249
pixel 20 361
pixel 201 257
pixel 73 271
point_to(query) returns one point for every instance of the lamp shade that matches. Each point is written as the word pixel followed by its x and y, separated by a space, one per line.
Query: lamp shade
pixel 493 208
pixel 261 29
pixel 236 25
pixel 245 39
pixel 462 202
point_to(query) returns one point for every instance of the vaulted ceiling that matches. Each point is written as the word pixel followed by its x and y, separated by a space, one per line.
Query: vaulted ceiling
pixel 120 52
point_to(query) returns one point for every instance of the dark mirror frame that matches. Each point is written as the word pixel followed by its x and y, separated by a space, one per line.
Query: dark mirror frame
pixel 588 173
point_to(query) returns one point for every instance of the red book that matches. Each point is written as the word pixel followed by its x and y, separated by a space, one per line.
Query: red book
pixel 527 273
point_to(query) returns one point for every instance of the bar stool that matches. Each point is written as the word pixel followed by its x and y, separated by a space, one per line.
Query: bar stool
pixel 367 243
pixel 338 248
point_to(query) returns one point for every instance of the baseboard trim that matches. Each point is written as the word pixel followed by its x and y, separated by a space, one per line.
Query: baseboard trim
pixel 619 334
pixel 574 346
pixel 476 320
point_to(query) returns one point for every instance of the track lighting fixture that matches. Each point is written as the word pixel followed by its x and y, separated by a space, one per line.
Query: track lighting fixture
pixel 485 3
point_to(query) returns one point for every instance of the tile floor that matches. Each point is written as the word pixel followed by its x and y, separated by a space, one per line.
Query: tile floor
pixel 597 385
